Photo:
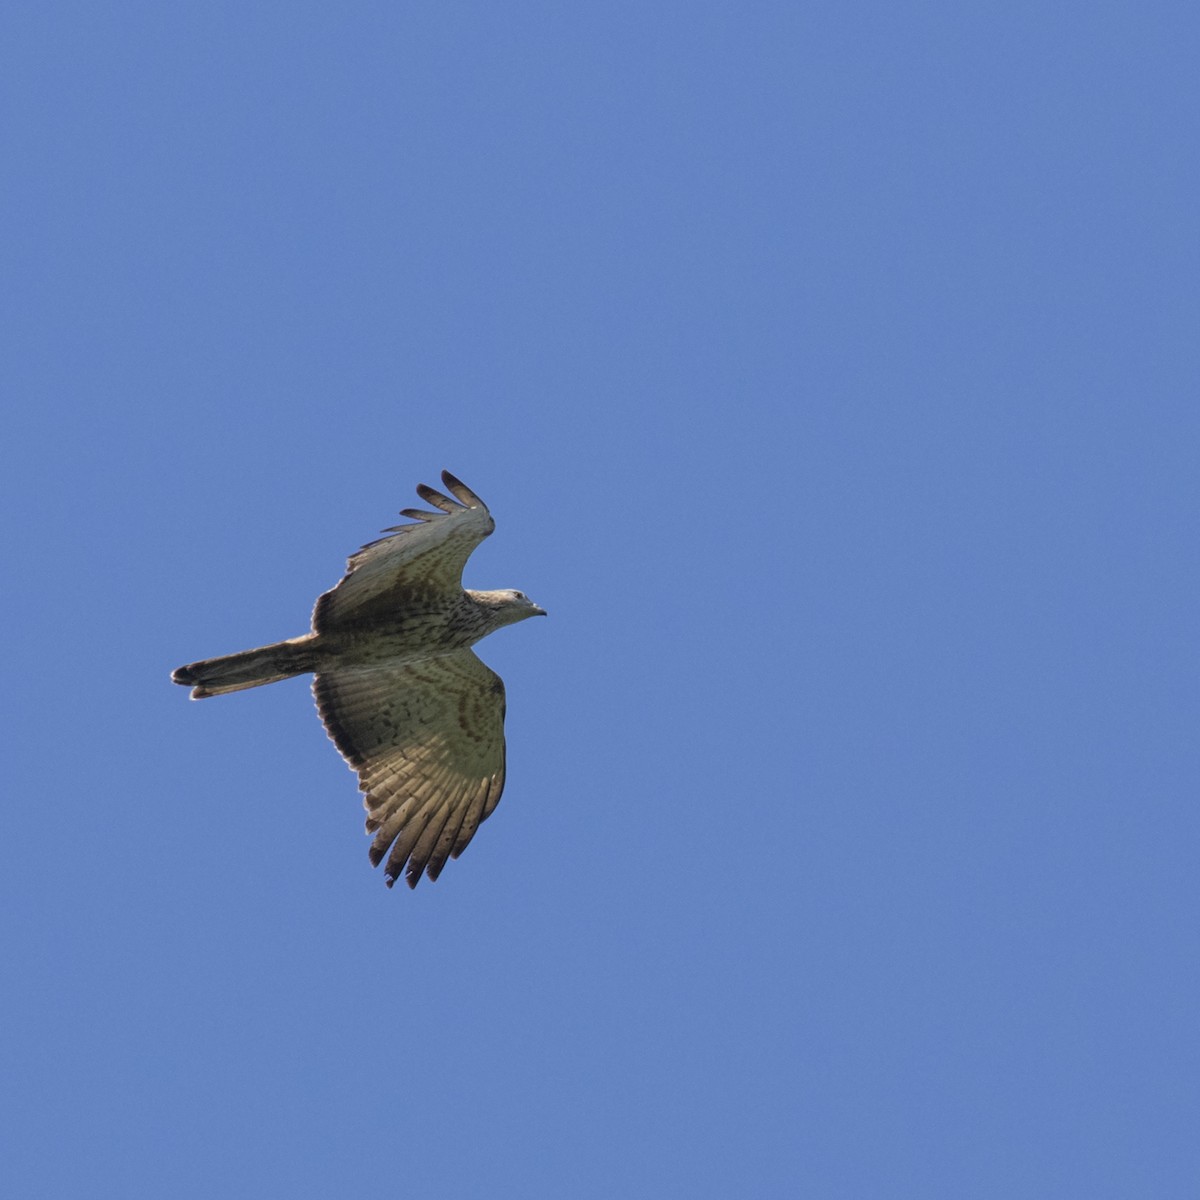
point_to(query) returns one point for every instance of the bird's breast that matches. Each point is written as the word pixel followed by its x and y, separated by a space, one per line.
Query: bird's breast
pixel 407 638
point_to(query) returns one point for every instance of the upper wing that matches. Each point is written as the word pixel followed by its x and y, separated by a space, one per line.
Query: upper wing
pixel 417 560
pixel 427 741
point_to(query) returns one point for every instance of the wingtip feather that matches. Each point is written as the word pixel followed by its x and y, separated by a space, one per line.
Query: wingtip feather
pixel 462 492
pixel 436 498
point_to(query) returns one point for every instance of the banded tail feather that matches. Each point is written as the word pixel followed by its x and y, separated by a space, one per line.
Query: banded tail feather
pixel 248 668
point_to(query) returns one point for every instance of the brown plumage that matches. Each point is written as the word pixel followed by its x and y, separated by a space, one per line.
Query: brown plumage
pixel 411 708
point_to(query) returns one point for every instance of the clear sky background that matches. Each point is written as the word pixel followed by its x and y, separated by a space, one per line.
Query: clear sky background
pixel 831 372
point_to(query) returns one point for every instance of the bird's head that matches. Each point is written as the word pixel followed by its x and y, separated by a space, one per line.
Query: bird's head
pixel 506 607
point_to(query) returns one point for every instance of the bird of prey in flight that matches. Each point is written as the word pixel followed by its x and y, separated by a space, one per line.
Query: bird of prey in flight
pixel 404 698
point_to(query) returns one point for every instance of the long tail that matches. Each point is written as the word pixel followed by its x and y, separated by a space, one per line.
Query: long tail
pixel 250 668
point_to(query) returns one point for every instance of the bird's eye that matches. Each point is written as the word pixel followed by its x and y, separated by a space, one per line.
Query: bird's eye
pixel 521 596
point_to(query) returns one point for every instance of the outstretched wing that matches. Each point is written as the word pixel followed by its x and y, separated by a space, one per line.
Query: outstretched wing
pixel 415 565
pixel 427 741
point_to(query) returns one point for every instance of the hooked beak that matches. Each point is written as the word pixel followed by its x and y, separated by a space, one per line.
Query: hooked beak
pixel 538 612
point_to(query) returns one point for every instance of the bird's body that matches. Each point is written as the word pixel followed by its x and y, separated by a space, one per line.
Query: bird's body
pixel 402 695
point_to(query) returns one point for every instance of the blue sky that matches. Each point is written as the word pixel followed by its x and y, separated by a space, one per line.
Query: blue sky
pixel 831 372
